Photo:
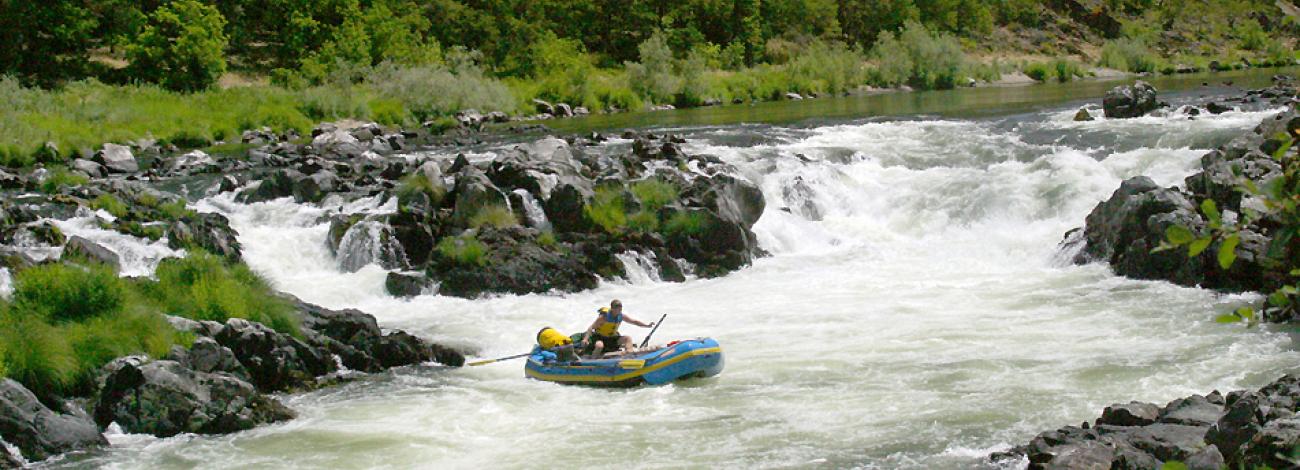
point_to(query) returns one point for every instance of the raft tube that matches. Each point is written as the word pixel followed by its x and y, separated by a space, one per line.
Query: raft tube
pixel 681 360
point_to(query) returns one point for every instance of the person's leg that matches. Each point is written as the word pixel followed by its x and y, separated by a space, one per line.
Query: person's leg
pixel 600 348
pixel 625 342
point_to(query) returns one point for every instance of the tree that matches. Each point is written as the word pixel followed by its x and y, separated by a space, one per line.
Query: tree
pixel 181 48
pixel 44 42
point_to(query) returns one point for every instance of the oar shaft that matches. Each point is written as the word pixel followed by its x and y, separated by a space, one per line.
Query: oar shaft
pixel 653 330
pixel 517 356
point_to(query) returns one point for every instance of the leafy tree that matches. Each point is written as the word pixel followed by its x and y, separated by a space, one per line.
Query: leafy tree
pixel 45 41
pixel 181 48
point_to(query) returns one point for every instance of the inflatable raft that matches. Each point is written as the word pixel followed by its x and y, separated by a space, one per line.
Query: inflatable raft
pixel 679 360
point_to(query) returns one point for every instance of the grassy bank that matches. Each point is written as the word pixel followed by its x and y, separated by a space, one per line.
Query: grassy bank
pixel 65 321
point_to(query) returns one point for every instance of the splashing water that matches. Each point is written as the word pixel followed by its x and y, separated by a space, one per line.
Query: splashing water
pixel 911 316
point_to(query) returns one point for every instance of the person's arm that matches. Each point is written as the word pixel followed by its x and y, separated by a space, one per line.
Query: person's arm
pixel 637 322
pixel 586 337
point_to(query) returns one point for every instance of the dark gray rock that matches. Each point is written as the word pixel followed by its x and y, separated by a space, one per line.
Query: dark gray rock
pixel 210 231
pixel 1208 458
pixel 92 169
pixel 1130 101
pixel 275 361
pixel 1083 115
pixel 1169 441
pixel 39 432
pixel 1216 108
pixel 1238 425
pixel 473 193
pixel 164 398
pixel 1273 446
pixel 1129 414
pixel 117 159
pixel 1195 410
pixel 78 246
pixel 406 284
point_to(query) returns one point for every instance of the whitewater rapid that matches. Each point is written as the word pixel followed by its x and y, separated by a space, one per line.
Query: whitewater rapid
pixel 914 313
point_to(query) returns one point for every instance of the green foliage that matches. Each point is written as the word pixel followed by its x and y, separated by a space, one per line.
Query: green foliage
pixel 493 216
pixel 464 250
pixel 36 353
pixel 414 184
pixel 653 76
pixel 687 223
pixel 182 47
pixel 203 287
pixel 643 221
pixel 434 90
pixel 59 178
pixel 547 239
pixel 1061 70
pixel 655 193
pixel 62 292
pixel 175 210
pixel 1130 55
pixel 607 209
pixel 918 58
pixel 111 204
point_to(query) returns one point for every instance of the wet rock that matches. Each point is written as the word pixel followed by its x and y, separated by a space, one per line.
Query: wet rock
pixel 11 181
pixel 164 398
pixel 515 263
pixel 1216 108
pixel 1272 446
pixel 1169 441
pixel 1207 458
pixel 117 159
pixel 210 231
pixel 1086 455
pixel 406 284
pixel 90 168
pixel 275 361
pixel 473 193
pixel 1130 414
pixel 1195 410
pixel 1083 115
pixel 38 432
pixel 1238 425
pixel 81 247
pixel 1130 101
pixel 206 355
pixel 563 110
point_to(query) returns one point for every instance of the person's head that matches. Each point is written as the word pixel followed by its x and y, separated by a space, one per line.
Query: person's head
pixel 616 306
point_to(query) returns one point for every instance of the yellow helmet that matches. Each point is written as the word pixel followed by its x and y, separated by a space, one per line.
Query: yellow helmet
pixel 603 310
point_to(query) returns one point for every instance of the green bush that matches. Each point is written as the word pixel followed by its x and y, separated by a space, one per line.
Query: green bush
pixel 1131 55
pixel 37 354
pixel 643 221
pixel 686 223
pixel 653 77
pixel 493 216
pixel 59 177
pixel 62 292
pixel 918 57
pixel 202 286
pixel 182 47
pixel 111 204
pixel 1061 70
pixel 607 209
pixel 463 250
pixel 547 239
pixel 176 210
pixel 655 193
pixel 434 90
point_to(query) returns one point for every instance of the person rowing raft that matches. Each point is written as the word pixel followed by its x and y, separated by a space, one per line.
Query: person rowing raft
pixel 603 333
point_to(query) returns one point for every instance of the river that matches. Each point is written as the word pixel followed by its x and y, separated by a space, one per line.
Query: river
pixel 914 312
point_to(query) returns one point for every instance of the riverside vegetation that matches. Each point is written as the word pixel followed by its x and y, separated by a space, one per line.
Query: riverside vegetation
pixel 196 73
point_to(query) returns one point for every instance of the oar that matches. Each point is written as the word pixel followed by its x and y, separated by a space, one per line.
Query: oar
pixel 517 356
pixel 653 330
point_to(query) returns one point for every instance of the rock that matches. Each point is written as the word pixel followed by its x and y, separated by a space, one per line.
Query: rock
pixel 470 118
pixel 581 111
pixel 564 207
pixel 92 169
pixel 39 432
pixel 563 110
pixel 195 161
pixel 1192 411
pixel 498 117
pixel 1086 455
pixel 1131 414
pixel 1238 425
pixel 163 398
pixel 1129 101
pixel 1272 447
pixel 1208 458
pixel 1169 441
pixel 516 264
pixel 117 159
pixel 543 107
pixel 206 355
pixel 1083 115
pixel 1216 108
pixel 275 361
pixel 210 231
pixel 81 247
pixel 793 96
pixel 406 284
pixel 284 183
pixel 11 181
pixel 473 193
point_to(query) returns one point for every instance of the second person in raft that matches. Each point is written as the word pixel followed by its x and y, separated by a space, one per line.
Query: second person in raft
pixel 603 333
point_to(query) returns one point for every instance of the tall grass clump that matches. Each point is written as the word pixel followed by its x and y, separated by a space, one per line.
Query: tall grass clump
pixel 59 178
pixel 431 91
pixel 111 204
pixel 1128 54
pixel 825 67
pixel 686 223
pixel 655 193
pixel 202 286
pixel 1060 70
pixel 464 250
pixel 607 209
pixel 66 321
pixel 493 216
pixel 412 186
pixel 918 57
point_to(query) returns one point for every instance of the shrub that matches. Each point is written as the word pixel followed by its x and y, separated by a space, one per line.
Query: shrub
pixel 686 223
pixel 36 353
pixel 1130 55
pixel 203 287
pixel 432 91
pixel 59 177
pixel 922 59
pixel 62 292
pixel 653 77
pixel 99 340
pixel 655 193
pixel 182 47
pixel 110 204
pixel 643 221
pixel 547 239
pixel 493 216
pixel 463 250
pixel 1061 70
pixel 607 209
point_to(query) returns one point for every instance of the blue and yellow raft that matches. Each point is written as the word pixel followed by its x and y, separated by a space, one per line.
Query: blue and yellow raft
pixel 700 357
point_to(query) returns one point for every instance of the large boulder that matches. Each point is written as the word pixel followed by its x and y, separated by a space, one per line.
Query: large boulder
pixel 1130 101
pixel 473 193
pixel 164 398
pixel 210 231
pixel 515 263
pixel 79 246
pixel 275 361
pixel 117 159
pixel 39 432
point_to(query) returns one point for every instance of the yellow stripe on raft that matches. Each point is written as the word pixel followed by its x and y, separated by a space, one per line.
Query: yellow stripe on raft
pixel 624 376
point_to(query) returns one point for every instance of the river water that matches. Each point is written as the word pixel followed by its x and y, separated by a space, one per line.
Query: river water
pixel 914 313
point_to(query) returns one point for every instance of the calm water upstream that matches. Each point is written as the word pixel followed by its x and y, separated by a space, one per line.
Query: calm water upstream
pixel 914 312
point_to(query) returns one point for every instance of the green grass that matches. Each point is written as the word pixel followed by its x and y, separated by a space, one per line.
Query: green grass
pixel 62 292
pixel 643 221
pixel 686 223
pixel 176 210
pixel 60 178
pixel 414 184
pixel 493 216
pixel 547 239
pixel 1130 55
pixel 655 193
pixel 607 209
pixel 202 286
pixel 1060 70
pixel 111 204
pixel 463 250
